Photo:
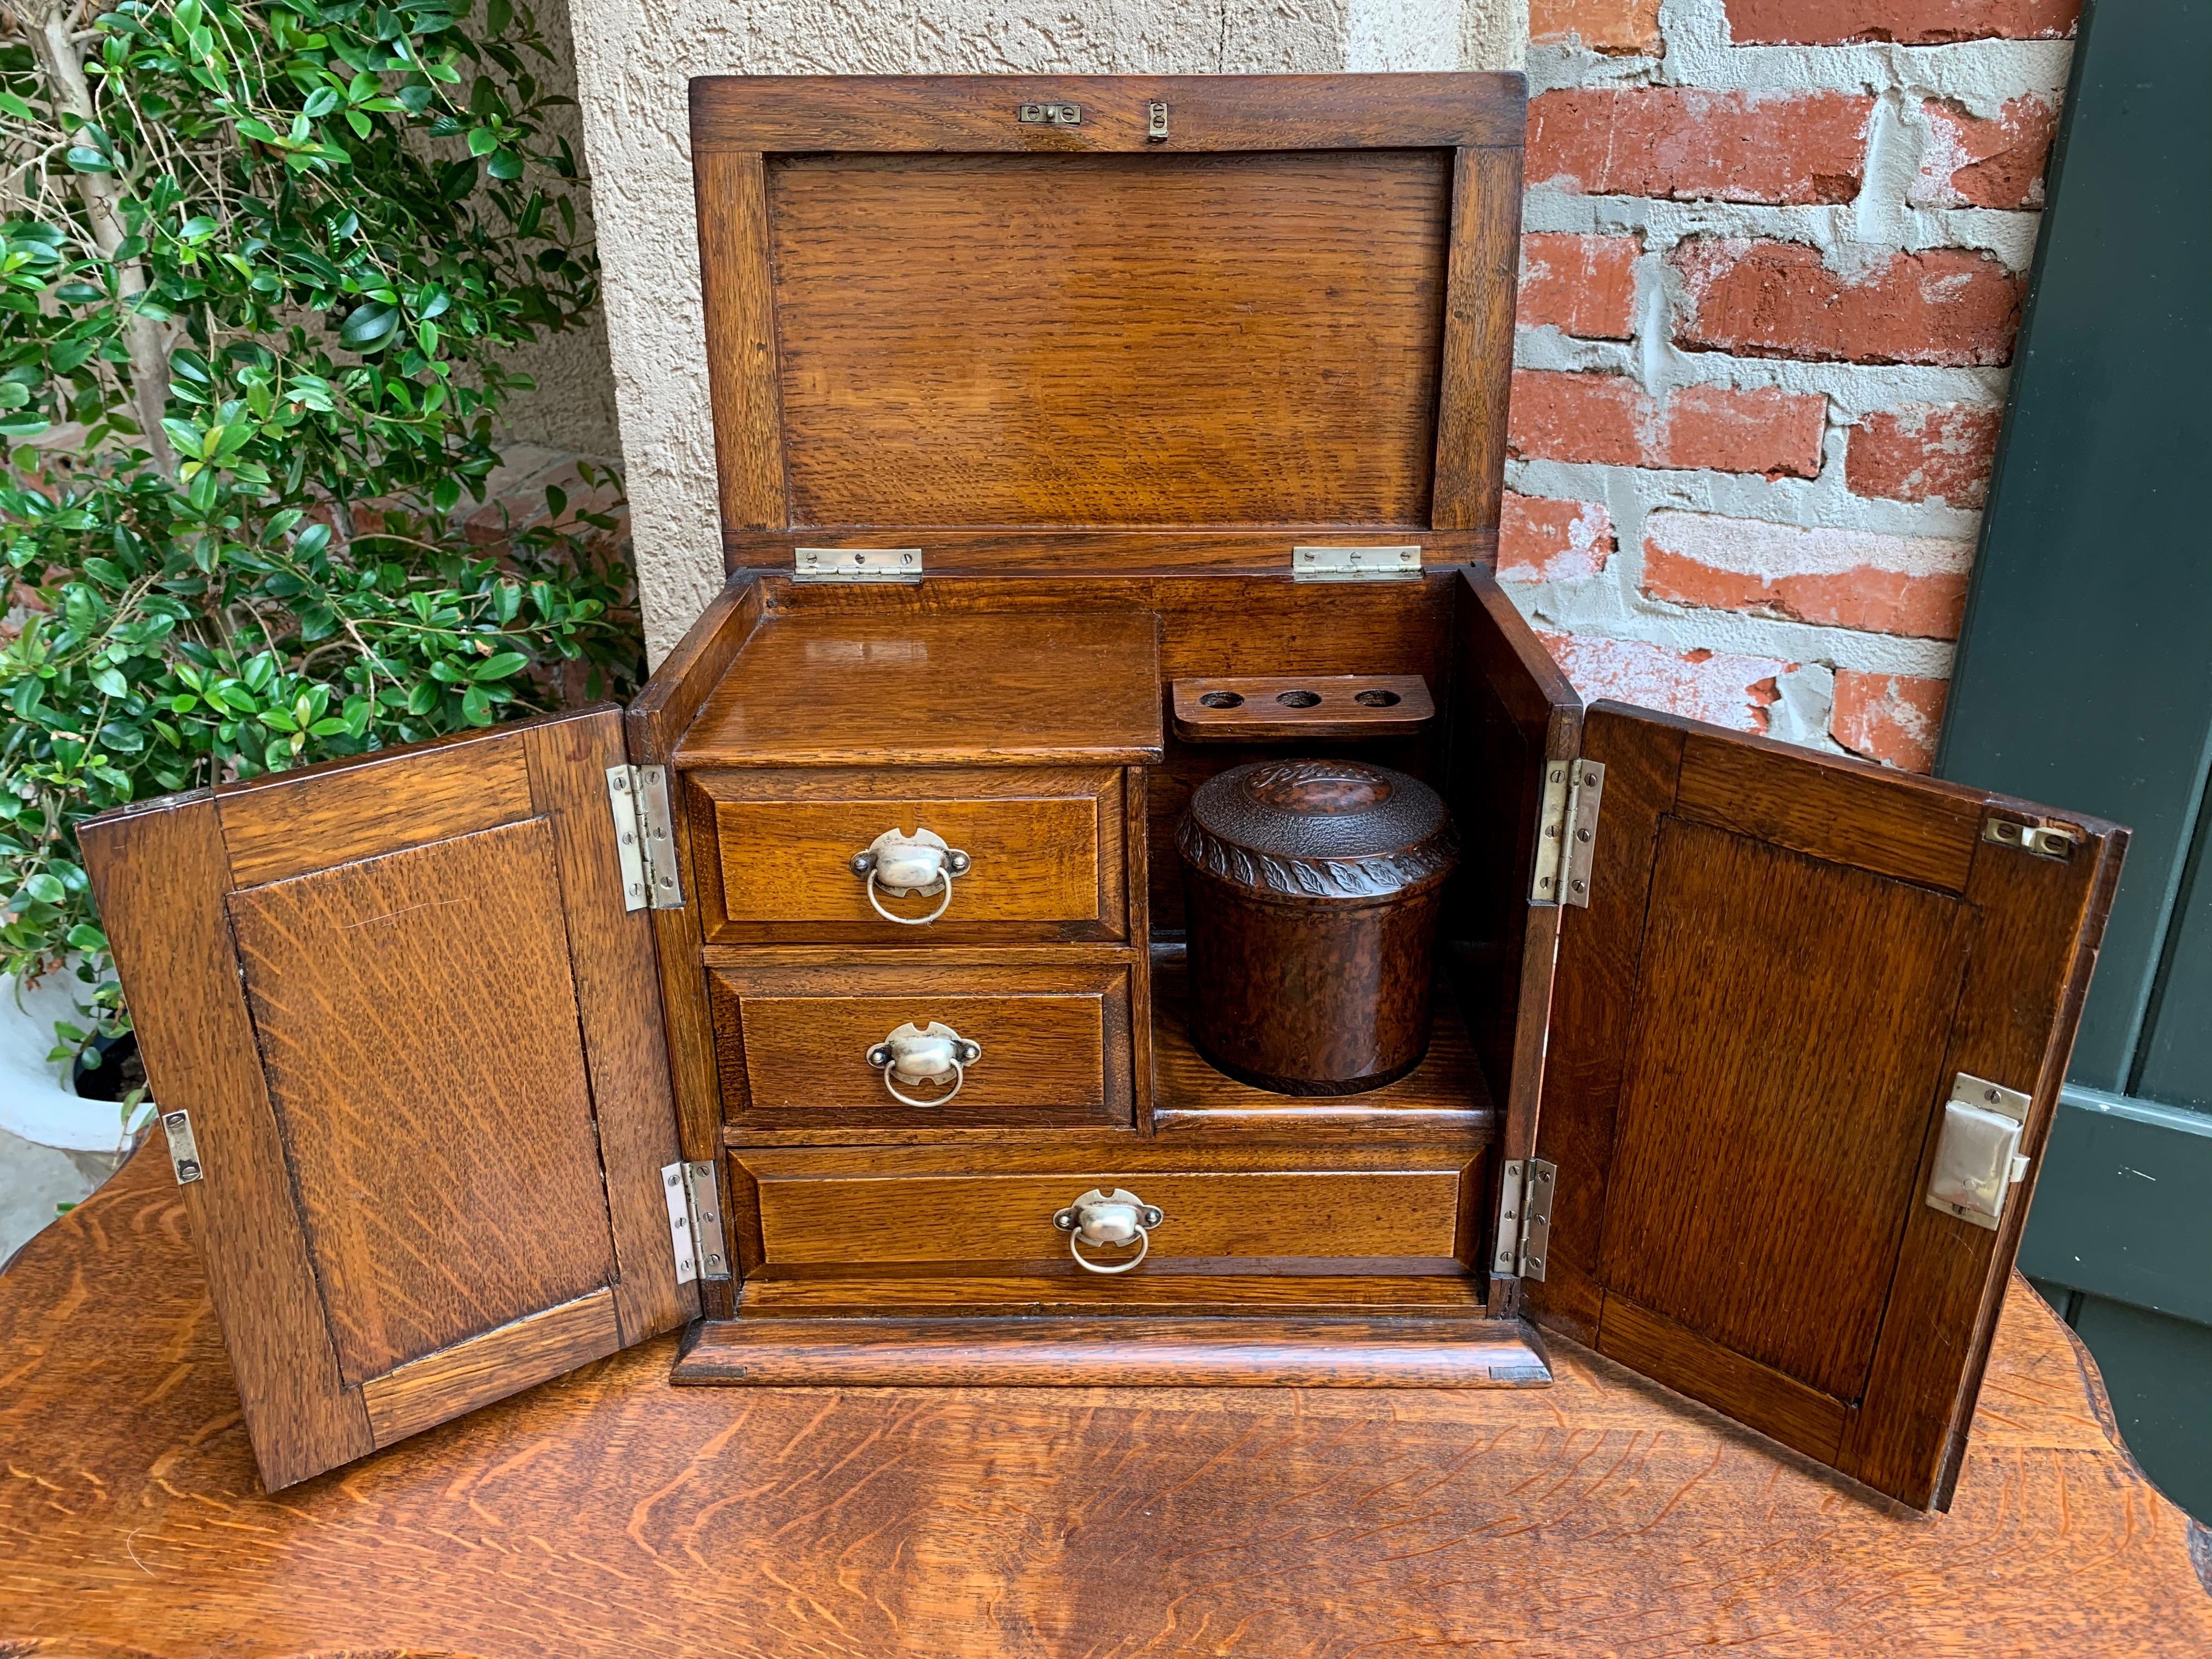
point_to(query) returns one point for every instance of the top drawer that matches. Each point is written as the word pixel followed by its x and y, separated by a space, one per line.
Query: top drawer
pixel 773 853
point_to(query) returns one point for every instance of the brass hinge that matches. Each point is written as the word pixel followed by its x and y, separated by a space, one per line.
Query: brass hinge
pixel 1356 564
pixel 856 564
pixel 645 837
pixel 1566 832
pixel 694 1221
pixel 1524 1218
pixel 2045 841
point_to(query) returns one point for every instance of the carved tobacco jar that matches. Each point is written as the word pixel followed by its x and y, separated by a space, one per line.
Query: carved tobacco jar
pixel 1312 888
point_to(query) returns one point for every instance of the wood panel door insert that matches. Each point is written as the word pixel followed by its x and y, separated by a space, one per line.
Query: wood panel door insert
pixel 1785 962
pixel 419 1039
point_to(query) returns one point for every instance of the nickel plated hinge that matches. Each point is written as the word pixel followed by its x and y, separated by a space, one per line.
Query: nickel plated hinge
pixel 645 837
pixel 856 564
pixel 2045 841
pixel 184 1147
pixel 694 1221
pixel 1525 1219
pixel 1356 564
pixel 1566 832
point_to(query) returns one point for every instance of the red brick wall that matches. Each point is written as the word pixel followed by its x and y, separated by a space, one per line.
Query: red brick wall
pixel 1774 257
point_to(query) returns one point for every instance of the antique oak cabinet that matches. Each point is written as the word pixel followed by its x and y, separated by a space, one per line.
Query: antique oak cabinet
pixel 1079 438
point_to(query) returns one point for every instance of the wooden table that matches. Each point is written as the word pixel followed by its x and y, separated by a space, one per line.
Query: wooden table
pixel 611 1514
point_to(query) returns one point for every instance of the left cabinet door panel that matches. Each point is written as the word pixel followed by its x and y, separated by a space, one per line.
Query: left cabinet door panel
pixel 418 1038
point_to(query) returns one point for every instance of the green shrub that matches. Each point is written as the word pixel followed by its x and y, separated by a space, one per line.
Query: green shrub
pixel 259 268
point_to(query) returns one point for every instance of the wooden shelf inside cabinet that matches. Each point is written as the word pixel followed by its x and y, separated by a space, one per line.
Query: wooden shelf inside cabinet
pixel 1443 1095
pixel 1261 707
pixel 908 687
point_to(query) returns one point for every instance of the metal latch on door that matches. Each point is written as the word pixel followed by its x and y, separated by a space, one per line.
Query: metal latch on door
pixel 1978 1159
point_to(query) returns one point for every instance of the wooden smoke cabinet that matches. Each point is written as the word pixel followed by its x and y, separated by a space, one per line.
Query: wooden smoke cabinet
pixel 835 986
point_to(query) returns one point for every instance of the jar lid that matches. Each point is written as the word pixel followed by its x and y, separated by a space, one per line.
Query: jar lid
pixel 1319 828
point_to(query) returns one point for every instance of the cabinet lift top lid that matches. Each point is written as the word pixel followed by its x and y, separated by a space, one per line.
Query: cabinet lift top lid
pixel 1206 318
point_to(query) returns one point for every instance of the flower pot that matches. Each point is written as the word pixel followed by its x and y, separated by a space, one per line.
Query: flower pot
pixel 35 1103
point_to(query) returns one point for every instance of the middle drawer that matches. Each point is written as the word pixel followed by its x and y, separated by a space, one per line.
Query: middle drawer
pixel 969 1046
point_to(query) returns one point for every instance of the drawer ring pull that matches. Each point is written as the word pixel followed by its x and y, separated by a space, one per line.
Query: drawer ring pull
pixel 914 1053
pixel 1107 1219
pixel 899 864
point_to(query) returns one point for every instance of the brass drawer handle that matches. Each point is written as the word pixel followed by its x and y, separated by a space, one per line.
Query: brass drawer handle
pixel 913 1055
pixel 899 864
pixel 1106 1221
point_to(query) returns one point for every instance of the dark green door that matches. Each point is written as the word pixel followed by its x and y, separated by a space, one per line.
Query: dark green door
pixel 2085 680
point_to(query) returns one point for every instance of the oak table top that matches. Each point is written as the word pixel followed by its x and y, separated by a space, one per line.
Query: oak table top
pixel 608 1513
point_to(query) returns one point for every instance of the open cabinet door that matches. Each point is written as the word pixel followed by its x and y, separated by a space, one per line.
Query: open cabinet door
pixel 405 1039
pixel 1789 968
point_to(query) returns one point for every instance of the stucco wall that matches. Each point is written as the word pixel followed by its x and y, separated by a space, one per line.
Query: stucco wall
pixel 634 58
pixel 572 410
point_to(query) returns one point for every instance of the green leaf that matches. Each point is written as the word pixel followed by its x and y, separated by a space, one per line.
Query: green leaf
pixel 45 889
pixel 475 706
pixel 85 159
pixel 111 682
pixel 483 141
pixel 320 102
pixel 504 164
pixel 499 667
pixel 369 328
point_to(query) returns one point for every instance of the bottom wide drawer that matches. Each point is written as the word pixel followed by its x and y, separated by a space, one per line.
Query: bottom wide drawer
pixel 868 1208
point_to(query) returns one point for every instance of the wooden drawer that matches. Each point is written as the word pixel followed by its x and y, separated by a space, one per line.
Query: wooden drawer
pixel 918 1208
pixel 792 1043
pixel 773 852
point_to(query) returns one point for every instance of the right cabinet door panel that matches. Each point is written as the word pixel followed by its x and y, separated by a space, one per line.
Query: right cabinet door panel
pixel 1788 964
